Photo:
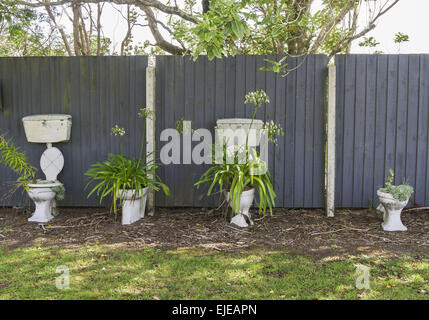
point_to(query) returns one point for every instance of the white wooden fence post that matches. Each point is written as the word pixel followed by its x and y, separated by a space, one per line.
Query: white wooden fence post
pixel 330 148
pixel 150 124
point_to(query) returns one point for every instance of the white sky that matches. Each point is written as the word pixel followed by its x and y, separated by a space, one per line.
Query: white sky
pixel 408 16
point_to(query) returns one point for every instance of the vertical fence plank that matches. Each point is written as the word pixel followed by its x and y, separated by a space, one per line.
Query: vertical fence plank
pixel 359 131
pixel 422 133
pixel 369 138
pixel 412 123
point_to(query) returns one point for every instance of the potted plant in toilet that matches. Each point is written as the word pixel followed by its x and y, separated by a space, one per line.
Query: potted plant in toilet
pixel 240 173
pixel 392 200
pixel 126 179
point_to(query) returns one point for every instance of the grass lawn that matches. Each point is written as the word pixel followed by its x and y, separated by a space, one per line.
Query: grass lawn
pixel 105 273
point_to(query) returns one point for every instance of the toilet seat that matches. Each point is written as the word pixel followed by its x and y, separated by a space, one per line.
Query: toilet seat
pixel 44 185
pixel 51 163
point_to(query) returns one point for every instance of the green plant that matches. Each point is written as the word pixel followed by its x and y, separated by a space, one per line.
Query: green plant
pixel 400 38
pixel 120 172
pixel 401 192
pixel 60 192
pixel 11 157
pixel 237 177
pixel 244 171
pixel 273 130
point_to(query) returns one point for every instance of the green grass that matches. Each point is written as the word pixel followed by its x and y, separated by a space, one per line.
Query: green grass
pixel 106 273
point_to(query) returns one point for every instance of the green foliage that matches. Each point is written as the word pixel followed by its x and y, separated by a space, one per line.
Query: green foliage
pixel 219 28
pixel 238 177
pixel 273 130
pixel 276 66
pixel 179 126
pixel 369 42
pixel 243 172
pixel 60 192
pixel 25 31
pixel 401 192
pixel 17 161
pixel 120 172
pixel 268 27
pixel 401 37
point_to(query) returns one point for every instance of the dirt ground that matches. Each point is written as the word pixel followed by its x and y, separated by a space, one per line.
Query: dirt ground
pixel 304 231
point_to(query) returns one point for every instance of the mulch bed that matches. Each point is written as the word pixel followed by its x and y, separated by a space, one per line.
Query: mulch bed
pixel 305 231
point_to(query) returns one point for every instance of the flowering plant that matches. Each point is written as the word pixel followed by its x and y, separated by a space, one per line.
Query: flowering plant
pixel 246 170
pixel 121 172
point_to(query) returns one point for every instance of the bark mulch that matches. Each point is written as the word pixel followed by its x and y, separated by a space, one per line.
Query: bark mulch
pixel 305 231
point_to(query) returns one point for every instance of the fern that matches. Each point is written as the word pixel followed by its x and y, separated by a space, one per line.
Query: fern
pixel 17 161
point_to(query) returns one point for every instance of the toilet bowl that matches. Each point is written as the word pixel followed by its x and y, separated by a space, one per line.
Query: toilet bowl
pixel 44 198
pixel 133 205
pixel 391 209
pixel 51 163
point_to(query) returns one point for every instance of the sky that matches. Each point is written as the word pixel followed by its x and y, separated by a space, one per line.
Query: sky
pixel 408 16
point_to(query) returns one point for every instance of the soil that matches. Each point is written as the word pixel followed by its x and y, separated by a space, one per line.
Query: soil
pixel 303 231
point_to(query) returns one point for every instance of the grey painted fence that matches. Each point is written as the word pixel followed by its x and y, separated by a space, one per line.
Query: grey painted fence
pixel 204 91
pixel 97 91
pixel 382 118
pixel 382 122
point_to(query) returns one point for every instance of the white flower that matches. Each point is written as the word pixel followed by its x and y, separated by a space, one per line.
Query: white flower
pixel 118 131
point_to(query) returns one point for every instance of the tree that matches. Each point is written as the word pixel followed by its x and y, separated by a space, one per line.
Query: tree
pixel 399 38
pixel 224 27
pixel 21 32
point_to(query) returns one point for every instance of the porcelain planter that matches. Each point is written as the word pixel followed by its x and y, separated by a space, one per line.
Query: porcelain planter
pixel 242 214
pixel 391 209
pixel 44 200
pixel 133 205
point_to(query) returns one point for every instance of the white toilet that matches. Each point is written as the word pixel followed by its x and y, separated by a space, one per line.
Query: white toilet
pixel 133 205
pixel 47 128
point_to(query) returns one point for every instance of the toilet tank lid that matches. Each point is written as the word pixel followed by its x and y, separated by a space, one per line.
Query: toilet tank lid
pixel 39 117
pixel 238 121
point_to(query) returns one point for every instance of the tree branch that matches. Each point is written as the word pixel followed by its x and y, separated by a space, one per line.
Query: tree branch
pixel 160 41
pixel 60 29
pixel 371 25
pixel 149 3
pixel 324 33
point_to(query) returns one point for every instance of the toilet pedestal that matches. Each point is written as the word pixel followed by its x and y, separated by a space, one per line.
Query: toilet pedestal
pixel 242 214
pixel 44 199
pixel 391 209
pixel 133 205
